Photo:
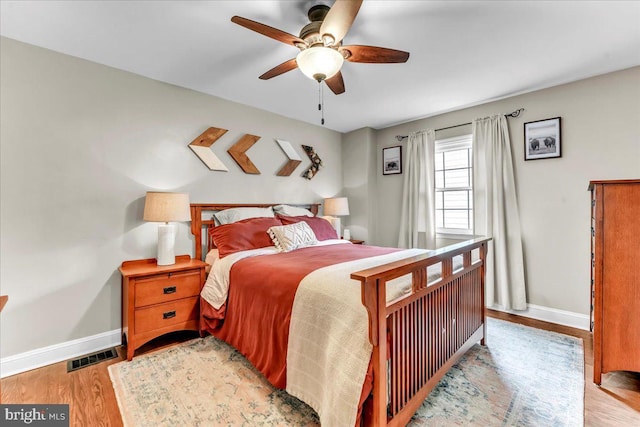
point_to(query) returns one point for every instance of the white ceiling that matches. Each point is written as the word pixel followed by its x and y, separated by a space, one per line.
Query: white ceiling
pixel 463 53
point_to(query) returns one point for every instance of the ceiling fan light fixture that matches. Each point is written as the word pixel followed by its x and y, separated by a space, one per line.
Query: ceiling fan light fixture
pixel 319 62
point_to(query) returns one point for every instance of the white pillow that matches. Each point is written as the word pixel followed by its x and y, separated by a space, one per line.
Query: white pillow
pixel 212 257
pixel 228 216
pixel 293 236
pixel 288 210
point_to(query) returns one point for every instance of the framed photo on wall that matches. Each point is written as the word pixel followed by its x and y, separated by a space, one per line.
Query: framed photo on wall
pixel 542 139
pixel 392 160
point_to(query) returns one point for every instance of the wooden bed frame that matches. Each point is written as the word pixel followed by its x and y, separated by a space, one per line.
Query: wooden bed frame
pixel 417 338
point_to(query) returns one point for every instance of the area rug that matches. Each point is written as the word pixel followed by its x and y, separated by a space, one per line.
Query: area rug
pixel 524 377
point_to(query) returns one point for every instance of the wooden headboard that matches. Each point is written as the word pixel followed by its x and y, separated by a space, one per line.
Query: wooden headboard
pixel 198 223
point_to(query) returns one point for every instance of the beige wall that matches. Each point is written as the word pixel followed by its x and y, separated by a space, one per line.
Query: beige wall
pixel 81 143
pixel 600 140
pixel 359 174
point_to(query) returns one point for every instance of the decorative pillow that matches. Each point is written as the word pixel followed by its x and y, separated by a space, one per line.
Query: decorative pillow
pixel 243 235
pixel 289 210
pixel 229 216
pixel 293 236
pixel 320 226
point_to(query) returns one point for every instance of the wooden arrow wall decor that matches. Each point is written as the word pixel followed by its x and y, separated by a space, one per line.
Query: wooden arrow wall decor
pixel 201 146
pixel 316 162
pixel 238 150
pixel 294 159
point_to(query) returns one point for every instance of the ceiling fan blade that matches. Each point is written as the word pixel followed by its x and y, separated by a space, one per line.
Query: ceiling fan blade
pixel 336 83
pixel 339 19
pixel 374 54
pixel 280 69
pixel 268 31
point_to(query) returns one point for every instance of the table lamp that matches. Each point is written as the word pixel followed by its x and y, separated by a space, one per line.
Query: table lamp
pixel 166 207
pixel 335 207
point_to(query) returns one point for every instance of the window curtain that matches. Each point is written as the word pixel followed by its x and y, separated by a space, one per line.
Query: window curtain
pixel 418 218
pixel 499 218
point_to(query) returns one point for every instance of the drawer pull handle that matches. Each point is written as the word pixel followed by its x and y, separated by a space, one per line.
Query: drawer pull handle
pixel 169 314
pixel 169 290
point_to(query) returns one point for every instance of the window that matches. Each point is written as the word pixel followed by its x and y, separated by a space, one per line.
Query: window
pixel 454 185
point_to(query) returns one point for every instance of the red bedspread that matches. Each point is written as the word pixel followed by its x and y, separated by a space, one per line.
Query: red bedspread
pixel 261 293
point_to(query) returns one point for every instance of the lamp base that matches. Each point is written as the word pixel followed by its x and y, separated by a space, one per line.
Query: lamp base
pixel 335 221
pixel 166 244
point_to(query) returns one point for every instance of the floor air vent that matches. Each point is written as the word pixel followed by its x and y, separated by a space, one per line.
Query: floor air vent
pixel 91 359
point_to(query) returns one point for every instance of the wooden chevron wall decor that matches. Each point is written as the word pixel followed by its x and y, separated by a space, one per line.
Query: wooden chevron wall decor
pixel 201 146
pixel 316 162
pixel 294 159
pixel 238 150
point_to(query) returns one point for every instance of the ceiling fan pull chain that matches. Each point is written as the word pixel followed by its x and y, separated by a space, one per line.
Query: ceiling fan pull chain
pixel 321 101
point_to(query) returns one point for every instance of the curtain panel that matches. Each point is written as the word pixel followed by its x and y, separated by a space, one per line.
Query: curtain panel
pixel 417 221
pixel 499 216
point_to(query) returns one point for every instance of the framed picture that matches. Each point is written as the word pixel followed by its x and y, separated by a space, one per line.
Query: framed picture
pixel 392 160
pixel 542 139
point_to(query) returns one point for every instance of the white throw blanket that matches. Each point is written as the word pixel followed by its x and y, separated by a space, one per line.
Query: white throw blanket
pixel 329 349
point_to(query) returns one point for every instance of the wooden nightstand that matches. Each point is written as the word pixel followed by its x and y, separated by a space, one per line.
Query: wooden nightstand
pixel 356 242
pixel 157 299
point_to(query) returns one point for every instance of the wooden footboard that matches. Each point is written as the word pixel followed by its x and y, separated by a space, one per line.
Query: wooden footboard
pixel 415 339
pixel 418 338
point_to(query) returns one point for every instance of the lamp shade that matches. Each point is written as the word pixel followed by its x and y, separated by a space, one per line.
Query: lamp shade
pixel 166 207
pixel 319 63
pixel 336 206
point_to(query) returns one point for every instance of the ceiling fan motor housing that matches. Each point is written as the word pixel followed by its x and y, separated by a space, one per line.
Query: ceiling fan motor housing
pixel 310 33
pixel 318 12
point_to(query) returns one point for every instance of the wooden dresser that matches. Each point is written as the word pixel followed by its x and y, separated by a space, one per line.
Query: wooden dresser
pixel 615 276
pixel 157 299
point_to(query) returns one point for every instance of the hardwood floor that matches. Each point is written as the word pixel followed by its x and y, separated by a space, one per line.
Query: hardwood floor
pixel 93 403
pixel 88 390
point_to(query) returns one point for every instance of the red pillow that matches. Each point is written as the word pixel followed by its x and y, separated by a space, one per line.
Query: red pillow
pixel 320 226
pixel 243 235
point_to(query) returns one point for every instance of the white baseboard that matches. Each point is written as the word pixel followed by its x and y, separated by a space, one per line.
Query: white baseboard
pixel 552 315
pixel 39 357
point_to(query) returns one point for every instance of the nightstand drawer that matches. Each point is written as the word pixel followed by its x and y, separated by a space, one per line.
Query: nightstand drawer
pixel 166 287
pixel 164 315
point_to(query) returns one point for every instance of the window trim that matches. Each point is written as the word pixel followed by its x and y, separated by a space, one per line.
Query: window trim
pixel 450 144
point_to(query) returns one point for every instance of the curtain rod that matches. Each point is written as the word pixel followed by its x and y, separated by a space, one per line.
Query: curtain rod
pixel 515 113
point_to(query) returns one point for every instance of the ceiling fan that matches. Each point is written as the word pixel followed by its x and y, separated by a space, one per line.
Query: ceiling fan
pixel 320 42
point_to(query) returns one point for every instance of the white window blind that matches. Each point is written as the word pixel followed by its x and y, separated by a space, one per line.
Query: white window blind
pixel 454 185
